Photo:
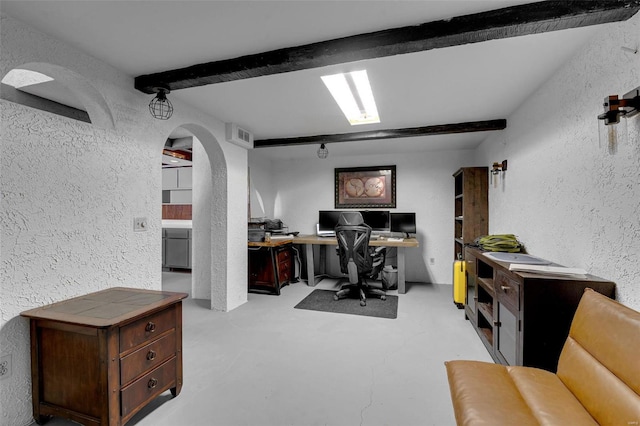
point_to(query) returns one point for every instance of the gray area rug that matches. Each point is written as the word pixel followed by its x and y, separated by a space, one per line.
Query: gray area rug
pixel 322 300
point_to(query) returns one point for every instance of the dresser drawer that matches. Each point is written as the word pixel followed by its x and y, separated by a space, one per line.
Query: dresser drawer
pixel 507 290
pixel 148 386
pixel 147 358
pixel 284 272
pixel 146 329
pixel 284 255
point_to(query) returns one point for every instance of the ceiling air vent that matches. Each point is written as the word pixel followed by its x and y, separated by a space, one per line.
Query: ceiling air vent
pixel 239 136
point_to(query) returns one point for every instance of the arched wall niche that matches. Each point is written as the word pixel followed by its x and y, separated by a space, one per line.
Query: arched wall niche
pixel 209 266
pixel 93 101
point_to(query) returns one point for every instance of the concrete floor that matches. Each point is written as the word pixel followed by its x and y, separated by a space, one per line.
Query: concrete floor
pixel 266 363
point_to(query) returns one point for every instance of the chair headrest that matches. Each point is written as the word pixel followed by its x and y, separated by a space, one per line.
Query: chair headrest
pixel 350 218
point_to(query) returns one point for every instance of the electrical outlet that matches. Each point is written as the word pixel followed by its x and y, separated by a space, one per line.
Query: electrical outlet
pixel 139 224
pixel 5 367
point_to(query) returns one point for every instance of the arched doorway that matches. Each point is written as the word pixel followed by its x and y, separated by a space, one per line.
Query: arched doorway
pixel 209 218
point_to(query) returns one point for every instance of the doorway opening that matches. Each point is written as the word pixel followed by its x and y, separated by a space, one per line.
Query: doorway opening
pixel 177 210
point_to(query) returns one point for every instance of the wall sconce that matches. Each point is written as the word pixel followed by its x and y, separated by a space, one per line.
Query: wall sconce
pixel 160 107
pixel 496 171
pixel 614 108
pixel 323 152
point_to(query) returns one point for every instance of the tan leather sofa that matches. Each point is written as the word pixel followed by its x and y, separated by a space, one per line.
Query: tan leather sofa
pixel 597 382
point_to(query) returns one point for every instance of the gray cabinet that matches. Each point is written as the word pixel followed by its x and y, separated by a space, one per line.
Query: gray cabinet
pixel 176 248
pixel 169 179
pixel 185 178
pixel 177 178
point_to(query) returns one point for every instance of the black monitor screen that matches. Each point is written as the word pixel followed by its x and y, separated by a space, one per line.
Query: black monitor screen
pixel 328 219
pixel 403 222
pixel 378 220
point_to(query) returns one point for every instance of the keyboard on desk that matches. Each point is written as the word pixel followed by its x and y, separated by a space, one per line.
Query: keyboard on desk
pixel 327 235
pixel 388 235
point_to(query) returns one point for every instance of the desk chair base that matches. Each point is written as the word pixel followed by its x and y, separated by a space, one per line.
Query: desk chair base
pixel 360 289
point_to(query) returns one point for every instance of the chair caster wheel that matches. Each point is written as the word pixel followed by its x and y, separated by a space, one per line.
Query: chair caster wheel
pixel 383 297
pixel 363 303
pixel 335 297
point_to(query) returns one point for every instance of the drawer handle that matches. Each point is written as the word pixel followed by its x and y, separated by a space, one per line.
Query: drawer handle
pixel 151 327
pixel 152 383
pixel 151 355
pixel 505 288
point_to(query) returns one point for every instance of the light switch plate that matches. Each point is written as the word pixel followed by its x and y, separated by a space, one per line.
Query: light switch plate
pixel 139 224
pixel 5 366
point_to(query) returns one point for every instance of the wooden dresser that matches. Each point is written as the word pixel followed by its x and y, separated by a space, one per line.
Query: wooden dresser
pixel 270 265
pixel 100 358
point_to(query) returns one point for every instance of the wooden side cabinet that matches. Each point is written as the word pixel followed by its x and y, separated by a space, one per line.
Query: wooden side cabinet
pixel 100 358
pixel 270 266
pixel 523 318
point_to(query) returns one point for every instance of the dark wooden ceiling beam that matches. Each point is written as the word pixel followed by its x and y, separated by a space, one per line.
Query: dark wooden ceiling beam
pixel 442 129
pixel 531 18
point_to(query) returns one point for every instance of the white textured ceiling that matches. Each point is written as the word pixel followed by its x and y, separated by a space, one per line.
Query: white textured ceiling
pixel 481 81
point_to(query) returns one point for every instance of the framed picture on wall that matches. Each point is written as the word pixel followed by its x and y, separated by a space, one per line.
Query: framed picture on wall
pixel 365 187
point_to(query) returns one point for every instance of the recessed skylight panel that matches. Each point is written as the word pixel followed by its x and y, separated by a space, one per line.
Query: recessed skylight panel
pixel 354 96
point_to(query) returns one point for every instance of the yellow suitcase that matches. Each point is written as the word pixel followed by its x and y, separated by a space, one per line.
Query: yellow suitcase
pixel 459 283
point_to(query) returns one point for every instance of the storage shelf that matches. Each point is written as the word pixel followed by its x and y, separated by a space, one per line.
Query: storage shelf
pixel 487 284
pixel 486 309
pixel 487 333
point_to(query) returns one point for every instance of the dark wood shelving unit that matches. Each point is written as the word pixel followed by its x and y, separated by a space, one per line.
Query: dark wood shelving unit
pixel 471 208
pixel 523 318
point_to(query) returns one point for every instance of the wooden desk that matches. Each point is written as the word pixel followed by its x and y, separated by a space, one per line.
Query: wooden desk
pixel 270 265
pixel 310 240
pixel 100 358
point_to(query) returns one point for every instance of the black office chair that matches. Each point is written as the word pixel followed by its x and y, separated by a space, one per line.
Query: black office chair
pixel 356 258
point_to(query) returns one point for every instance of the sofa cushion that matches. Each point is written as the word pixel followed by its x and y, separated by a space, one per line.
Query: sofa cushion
pixel 492 394
pixel 600 361
pixel 484 394
pixel 548 398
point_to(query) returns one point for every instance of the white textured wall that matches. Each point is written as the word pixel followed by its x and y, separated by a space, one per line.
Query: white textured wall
pixel 424 185
pixel 262 191
pixel 201 277
pixel 236 221
pixel 66 223
pixel 565 197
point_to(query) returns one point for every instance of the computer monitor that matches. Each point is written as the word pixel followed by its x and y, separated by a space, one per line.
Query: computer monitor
pixel 378 220
pixel 328 219
pixel 403 222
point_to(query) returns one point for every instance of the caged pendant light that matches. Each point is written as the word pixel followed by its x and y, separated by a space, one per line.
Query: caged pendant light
pixel 160 107
pixel 323 152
